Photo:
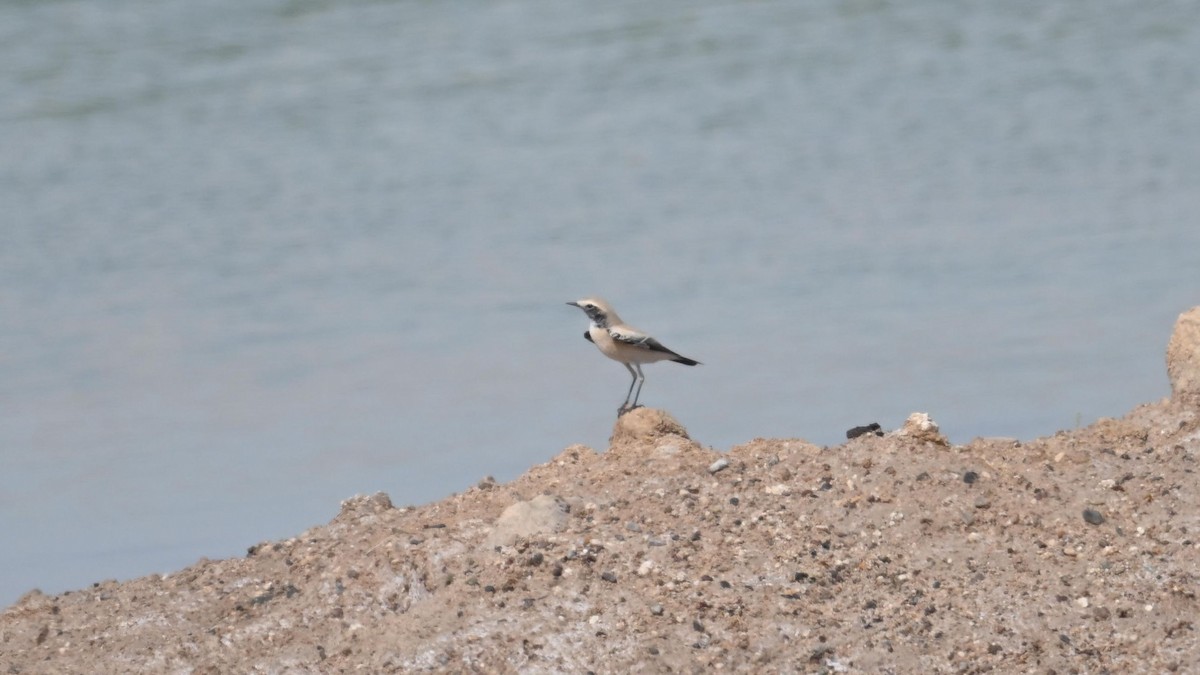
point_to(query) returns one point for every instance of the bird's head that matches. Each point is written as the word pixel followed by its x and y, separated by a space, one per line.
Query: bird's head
pixel 599 311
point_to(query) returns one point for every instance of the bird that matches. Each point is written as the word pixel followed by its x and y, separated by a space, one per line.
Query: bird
pixel 621 342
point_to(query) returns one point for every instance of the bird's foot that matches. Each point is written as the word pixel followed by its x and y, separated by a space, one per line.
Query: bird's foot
pixel 626 408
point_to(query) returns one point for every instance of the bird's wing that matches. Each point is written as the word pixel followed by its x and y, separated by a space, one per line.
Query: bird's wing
pixel 636 338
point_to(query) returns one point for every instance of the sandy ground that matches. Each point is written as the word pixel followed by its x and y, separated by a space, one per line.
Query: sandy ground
pixel 1075 553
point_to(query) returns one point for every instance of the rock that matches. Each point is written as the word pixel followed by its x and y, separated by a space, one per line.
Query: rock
pixel 642 424
pixel 540 514
pixel 653 441
pixel 1093 517
pixel 360 506
pixel 922 428
pixel 718 465
pixel 1183 357
pixel 872 428
pixel 970 477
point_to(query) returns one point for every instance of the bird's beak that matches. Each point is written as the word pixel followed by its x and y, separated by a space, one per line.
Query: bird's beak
pixel 573 304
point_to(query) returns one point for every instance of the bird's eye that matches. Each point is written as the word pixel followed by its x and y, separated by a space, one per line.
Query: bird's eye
pixel 590 306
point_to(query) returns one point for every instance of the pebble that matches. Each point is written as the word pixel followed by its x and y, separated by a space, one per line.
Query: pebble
pixel 1093 517
pixel 610 577
pixel 872 428
pixel 970 477
pixel 656 610
pixel 718 465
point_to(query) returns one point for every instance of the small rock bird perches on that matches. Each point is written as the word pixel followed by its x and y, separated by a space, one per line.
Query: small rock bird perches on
pixel 622 342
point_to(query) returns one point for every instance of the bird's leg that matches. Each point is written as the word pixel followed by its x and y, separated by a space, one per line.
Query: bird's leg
pixel 625 406
pixel 640 379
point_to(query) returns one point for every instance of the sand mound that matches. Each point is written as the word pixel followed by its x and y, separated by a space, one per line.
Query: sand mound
pixel 1079 552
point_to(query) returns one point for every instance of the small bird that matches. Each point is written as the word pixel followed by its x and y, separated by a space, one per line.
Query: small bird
pixel 622 342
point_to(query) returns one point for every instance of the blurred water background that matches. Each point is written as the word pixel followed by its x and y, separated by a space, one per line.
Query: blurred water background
pixel 257 257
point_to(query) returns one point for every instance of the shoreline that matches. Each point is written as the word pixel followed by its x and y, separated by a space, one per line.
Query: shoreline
pixel 1075 551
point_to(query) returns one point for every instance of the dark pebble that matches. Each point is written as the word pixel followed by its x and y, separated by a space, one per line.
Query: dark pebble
pixel 697 626
pixel 734 501
pixel 726 584
pixel 536 559
pixel 610 577
pixel 872 428
pixel 653 651
pixel 696 535
pixel 970 477
pixel 1093 517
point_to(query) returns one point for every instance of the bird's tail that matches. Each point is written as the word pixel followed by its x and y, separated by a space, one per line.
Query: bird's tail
pixel 685 361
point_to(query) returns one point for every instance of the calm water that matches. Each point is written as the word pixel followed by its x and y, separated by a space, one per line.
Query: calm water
pixel 258 257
